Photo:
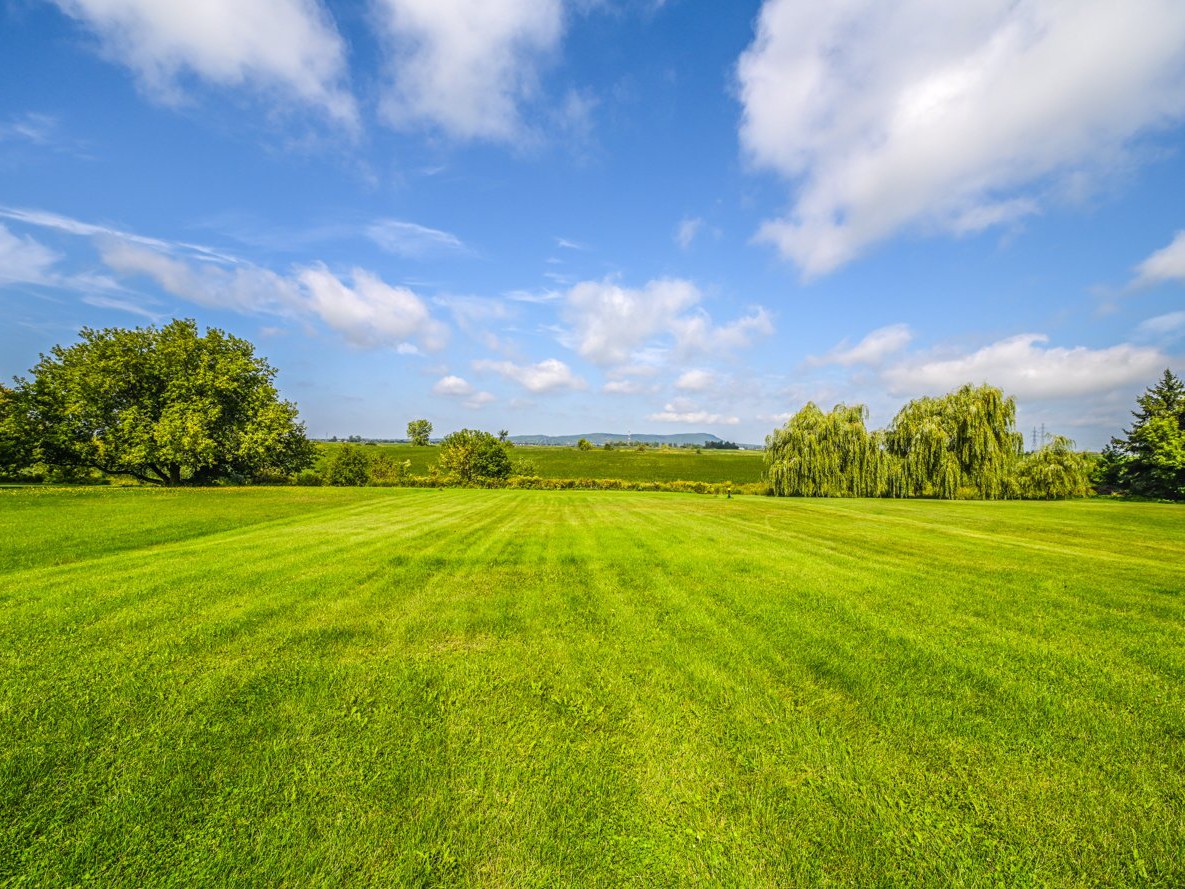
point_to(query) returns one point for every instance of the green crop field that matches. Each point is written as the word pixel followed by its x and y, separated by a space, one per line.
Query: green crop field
pixel 396 687
pixel 651 464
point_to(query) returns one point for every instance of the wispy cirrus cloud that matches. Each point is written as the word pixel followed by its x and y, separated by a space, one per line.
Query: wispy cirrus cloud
pixel 413 241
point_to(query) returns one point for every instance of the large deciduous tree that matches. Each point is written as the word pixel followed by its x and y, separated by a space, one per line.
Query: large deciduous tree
pixel 164 405
pixel 1150 457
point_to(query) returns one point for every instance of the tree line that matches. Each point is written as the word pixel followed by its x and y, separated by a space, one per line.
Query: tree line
pixel 965 445
pixel 171 406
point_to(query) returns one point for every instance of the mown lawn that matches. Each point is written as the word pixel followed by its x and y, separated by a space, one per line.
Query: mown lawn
pixel 385 687
pixel 651 464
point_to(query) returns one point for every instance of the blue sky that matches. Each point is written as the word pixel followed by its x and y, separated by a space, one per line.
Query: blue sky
pixel 609 215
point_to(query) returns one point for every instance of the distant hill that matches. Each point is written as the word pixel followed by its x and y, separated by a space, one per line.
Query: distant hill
pixel 599 438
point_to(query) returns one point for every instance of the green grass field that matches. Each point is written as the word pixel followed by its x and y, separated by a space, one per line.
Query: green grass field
pixel 395 687
pixel 667 465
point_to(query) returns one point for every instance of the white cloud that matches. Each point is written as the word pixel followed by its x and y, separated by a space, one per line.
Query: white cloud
pixel 369 314
pixel 372 312
pixel 286 46
pixel 243 288
pixel 682 411
pixel 1163 326
pixel 609 322
pixel 548 375
pixel 612 325
pixel 687 230
pixel 24 260
pixel 695 380
pixel 120 305
pixel 696 332
pixel 1166 264
pixel 1023 366
pixel 873 349
pixel 467 66
pixel 69 226
pixel 411 240
pixel 948 115
pixel 452 386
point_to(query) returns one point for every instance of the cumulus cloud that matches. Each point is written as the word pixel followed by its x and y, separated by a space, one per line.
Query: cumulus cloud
pixel 24 260
pixel 372 312
pixel 289 47
pixel 1166 264
pixel 1025 367
pixel 873 349
pixel 610 324
pixel 453 386
pixel 548 375
pixel 949 115
pixel 467 66
pixel 413 241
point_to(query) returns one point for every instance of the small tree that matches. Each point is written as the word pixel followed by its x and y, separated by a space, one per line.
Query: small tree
pixel 584 444
pixel 419 432
pixel 163 405
pixel 471 454
pixel 348 467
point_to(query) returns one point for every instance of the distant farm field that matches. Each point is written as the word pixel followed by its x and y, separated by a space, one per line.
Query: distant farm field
pixel 650 464
pixel 398 687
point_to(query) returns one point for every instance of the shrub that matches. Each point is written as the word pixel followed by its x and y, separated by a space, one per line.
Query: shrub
pixel 350 467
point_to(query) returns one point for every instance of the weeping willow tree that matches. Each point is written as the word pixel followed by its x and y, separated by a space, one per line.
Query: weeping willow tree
pixel 831 454
pixel 962 443
pixel 1054 472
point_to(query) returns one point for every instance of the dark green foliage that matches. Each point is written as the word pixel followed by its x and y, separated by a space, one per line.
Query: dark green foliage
pixel 1149 461
pixel 16 447
pixel 584 444
pixel 163 405
pixel 350 467
pixel 471 454
pixel 419 432
pixel 721 446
